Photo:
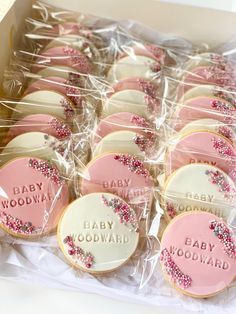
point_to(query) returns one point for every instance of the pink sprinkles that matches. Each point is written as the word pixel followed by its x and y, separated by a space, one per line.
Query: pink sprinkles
pixel 63 131
pixel 68 110
pixel 125 213
pixel 86 258
pixel 226 132
pixel 147 87
pixel 216 177
pixel 16 225
pixel 139 121
pixel 171 211
pixel 47 170
pixel 176 275
pixel 134 164
pixel 225 236
pixel 225 108
pixel 78 59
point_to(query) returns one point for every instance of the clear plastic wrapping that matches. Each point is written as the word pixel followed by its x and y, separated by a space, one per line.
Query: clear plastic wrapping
pixel 108 132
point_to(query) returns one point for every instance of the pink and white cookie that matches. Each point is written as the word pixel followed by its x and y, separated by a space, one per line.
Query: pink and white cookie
pixel 122 175
pixel 57 84
pixel 40 123
pixel 133 101
pixel 37 144
pixel 200 187
pixel 122 121
pixel 203 108
pixel 44 102
pixel 125 142
pixel 210 125
pixel 66 56
pixel 33 199
pixel 98 233
pixel 64 72
pixel 198 253
pixel 135 83
pixel 134 66
pixel 202 147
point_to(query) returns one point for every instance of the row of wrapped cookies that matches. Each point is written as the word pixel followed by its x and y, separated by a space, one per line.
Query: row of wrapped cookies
pixel 198 191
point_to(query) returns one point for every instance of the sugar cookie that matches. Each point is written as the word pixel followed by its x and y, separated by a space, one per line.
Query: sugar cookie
pixel 98 232
pixel 198 253
pixel 34 196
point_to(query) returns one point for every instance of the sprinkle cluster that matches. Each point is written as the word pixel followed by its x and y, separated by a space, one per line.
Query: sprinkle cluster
pixel 86 258
pixel 227 96
pixel 142 142
pixel 221 73
pixel 225 236
pixel 216 177
pixel 134 164
pixel 226 108
pixel 63 131
pixel 152 103
pixel 156 51
pixel 147 87
pixel 47 170
pixel 155 67
pixel 16 225
pixel 139 121
pixel 226 132
pixel 68 110
pixel 73 93
pixel 176 275
pixel 170 208
pixel 223 149
pixel 77 59
pixel 124 211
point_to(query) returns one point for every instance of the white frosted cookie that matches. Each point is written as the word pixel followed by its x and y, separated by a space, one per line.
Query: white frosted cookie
pixel 98 232
pixel 126 142
pixel 60 71
pixel 44 102
pixel 133 101
pixel 35 144
pixel 198 91
pixel 201 60
pixel 200 187
pixel 135 66
pixel 209 125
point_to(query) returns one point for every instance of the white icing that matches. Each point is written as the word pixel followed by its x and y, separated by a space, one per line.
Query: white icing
pixel 193 180
pixel 41 102
pixel 198 91
pixel 127 101
pixel 119 142
pixel 60 71
pixel 84 212
pixel 33 144
pixel 135 66
pixel 200 60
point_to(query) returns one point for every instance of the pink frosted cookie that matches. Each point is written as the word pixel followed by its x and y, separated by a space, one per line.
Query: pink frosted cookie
pixel 40 123
pixel 66 56
pixel 123 175
pixel 34 197
pixel 135 83
pixel 202 147
pixel 122 121
pixel 58 84
pixel 203 108
pixel 198 253
pixel 147 50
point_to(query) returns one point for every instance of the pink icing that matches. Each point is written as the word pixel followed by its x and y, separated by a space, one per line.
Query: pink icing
pixel 205 147
pixel 106 174
pixel 58 84
pixel 135 83
pixel 187 239
pixel 202 108
pixel 22 184
pixel 66 56
pixel 40 123
pixel 121 121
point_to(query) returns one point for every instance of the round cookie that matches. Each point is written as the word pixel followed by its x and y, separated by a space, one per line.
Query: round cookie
pixel 57 84
pixel 209 125
pixel 40 123
pixel 36 144
pixel 135 66
pixel 66 56
pixel 203 59
pixel 98 233
pixel 197 91
pixel 198 253
pixel 121 121
pixel 202 147
pixel 44 102
pixel 199 187
pixel 203 108
pixel 64 72
pixel 34 197
pixel 133 101
pixel 125 142
pixel 120 174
